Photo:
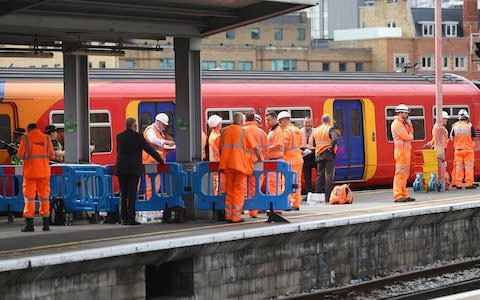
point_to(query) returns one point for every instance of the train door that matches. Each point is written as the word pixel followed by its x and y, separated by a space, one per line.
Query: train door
pixel 350 162
pixel 8 121
pixel 146 115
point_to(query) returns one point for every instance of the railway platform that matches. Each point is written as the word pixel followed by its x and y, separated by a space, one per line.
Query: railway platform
pixel 322 246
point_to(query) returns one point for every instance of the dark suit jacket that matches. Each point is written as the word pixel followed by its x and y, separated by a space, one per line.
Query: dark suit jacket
pixel 129 152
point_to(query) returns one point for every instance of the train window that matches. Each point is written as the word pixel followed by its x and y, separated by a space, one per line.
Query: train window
pixel 297 113
pixel 5 131
pixel 452 111
pixel 100 128
pixel 145 120
pixel 356 116
pixel 338 117
pixel 417 116
pixel 227 114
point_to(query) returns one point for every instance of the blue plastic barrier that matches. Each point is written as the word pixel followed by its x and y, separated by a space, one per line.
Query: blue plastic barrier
pixel 11 191
pixel 202 185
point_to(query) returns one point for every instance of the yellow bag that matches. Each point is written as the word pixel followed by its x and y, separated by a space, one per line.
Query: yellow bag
pixel 341 194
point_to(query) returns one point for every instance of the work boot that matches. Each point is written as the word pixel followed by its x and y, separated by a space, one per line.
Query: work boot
pixel 46 224
pixel 28 225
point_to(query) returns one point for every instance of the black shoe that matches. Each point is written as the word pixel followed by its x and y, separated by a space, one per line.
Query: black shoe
pixel 471 187
pixel 458 187
pixel 28 225
pixel 410 199
pixel 239 221
pixel 46 224
pixel 401 200
pixel 133 223
pixel 295 208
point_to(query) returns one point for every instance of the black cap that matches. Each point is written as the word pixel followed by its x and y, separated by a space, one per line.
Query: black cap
pixel 19 131
pixel 50 128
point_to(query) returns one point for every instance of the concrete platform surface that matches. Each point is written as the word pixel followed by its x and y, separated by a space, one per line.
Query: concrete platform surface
pixel 93 241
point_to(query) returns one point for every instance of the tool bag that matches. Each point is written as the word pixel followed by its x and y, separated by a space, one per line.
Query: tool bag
pixel 341 194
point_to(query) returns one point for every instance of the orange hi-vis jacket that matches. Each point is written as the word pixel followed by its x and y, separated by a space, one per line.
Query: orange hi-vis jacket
pixel 260 137
pixel 36 149
pixel 236 145
pixel 214 145
pixel 275 143
pixel 204 144
pixel 462 136
pixel 147 158
pixel 292 143
pixel 402 133
pixel 321 136
pixel 303 133
pixel 445 137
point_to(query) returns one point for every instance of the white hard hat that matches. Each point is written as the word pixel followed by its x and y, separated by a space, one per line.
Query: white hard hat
pixel 162 118
pixel 463 115
pixel 283 114
pixel 402 108
pixel 213 121
pixel 258 118
pixel 445 115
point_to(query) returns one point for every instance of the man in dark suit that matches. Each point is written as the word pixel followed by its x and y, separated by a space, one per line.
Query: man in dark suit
pixel 130 144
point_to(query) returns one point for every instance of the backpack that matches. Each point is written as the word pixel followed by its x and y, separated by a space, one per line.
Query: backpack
pixel 341 194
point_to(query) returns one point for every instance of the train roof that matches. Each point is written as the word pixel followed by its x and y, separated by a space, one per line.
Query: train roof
pixel 230 76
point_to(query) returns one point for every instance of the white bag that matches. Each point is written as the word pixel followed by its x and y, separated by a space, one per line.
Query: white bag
pixel 315 198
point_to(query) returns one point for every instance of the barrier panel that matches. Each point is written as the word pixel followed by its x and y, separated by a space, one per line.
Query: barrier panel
pixel 11 191
pixel 209 194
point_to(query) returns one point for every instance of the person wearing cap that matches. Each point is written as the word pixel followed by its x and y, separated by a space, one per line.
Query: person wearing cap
pixel 51 130
pixel 275 151
pixel 252 127
pixel 292 140
pixel 324 138
pixel 12 147
pixel 462 135
pixel 308 155
pixel 402 134
pixel 155 135
pixel 215 124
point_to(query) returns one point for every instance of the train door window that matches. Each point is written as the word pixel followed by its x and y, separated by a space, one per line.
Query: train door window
pixel 145 118
pixel 226 114
pixel 355 119
pixel 452 111
pixel 100 128
pixel 417 116
pixel 338 118
pixel 5 130
pixel 297 113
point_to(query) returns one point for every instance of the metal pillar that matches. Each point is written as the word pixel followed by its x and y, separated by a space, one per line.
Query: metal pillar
pixel 76 106
pixel 439 129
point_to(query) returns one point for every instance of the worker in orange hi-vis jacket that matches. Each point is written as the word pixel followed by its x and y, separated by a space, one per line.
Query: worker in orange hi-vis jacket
pixel 36 150
pixel 215 124
pixel 275 151
pixel 462 134
pixel 441 153
pixel 155 135
pixel 402 133
pixel 252 127
pixel 236 145
pixel 293 154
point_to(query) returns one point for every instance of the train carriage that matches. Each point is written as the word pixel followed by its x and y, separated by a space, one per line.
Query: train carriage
pixel 362 105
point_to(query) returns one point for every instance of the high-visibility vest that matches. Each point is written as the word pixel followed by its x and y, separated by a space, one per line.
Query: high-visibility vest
pixel 147 158
pixel 275 138
pixel 402 134
pixel 260 137
pixel 293 141
pixel 36 149
pixel 214 145
pixel 462 139
pixel 303 133
pixel 321 136
pixel 14 160
pixel 235 146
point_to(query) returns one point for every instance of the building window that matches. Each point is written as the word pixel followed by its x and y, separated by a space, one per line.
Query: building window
pixel 278 34
pixel 90 65
pixel 300 34
pixel 167 63
pixel 227 65
pixel 100 128
pixel 102 64
pixel 209 64
pixel 427 62
pixel 428 29
pixel 44 66
pixel 451 30
pixel 399 61
pixel 56 65
pixel 359 67
pixel 130 64
pixel 445 63
pixel 460 63
pixel 391 24
pixel 230 35
pixel 326 67
pixel 245 65
pixel 417 116
pixel 392 1
pixel 342 67
pixel 255 33
pixel 284 65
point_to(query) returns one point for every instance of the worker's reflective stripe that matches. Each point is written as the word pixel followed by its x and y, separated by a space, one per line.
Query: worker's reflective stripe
pixel 28 149
pixel 238 145
pixel 293 146
pixel 402 143
pixel 402 169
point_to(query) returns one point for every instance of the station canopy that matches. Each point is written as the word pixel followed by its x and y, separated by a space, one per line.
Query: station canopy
pixel 50 22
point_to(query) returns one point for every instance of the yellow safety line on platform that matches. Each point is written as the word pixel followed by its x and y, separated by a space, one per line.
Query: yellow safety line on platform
pixel 148 234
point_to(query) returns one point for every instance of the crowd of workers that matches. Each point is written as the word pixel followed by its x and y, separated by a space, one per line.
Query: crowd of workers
pixel 237 148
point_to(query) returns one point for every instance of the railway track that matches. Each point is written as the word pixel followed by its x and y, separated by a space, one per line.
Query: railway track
pixel 362 289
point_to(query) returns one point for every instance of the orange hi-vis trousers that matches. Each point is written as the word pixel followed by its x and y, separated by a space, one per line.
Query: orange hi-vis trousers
pixel 32 187
pixel 215 186
pixel 235 185
pixel 296 198
pixel 148 186
pixel 463 165
pixel 402 171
